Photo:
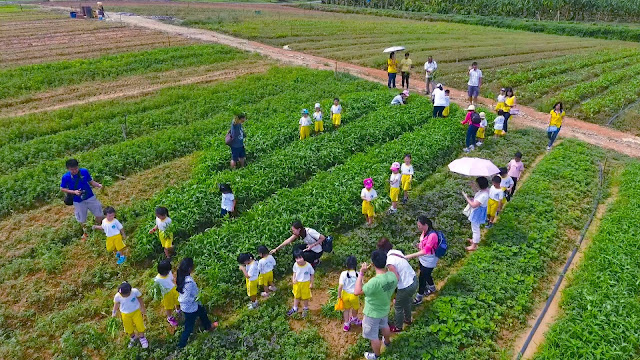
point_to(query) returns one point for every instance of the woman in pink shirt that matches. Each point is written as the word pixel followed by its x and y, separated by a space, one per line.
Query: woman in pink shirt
pixel 473 120
pixel 515 167
pixel 428 259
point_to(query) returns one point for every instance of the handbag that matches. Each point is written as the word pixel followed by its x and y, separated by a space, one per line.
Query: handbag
pixel 552 128
pixel 515 111
pixel 228 138
pixel 339 306
pixel 68 198
pixel 467 210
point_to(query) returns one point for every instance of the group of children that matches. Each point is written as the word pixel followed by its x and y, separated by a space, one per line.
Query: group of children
pixel 316 121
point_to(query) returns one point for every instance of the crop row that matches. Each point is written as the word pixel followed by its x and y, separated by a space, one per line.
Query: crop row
pixel 614 99
pixel 600 310
pixel 496 286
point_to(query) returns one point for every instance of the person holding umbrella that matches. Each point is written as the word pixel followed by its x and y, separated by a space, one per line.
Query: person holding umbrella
pixel 392 70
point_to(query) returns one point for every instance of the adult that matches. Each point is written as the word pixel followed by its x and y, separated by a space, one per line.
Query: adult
pixel 392 70
pixel 426 257
pixel 439 99
pixel 405 67
pixel 401 98
pixel 77 183
pixel 190 307
pixel 407 283
pixel 477 210
pixel 509 104
pixel 473 120
pixel 312 247
pixel 555 123
pixel 475 82
pixel 238 154
pixel 377 302
pixel 430 68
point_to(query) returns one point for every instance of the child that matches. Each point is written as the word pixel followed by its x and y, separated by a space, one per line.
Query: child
pixel 346 288
pixel 481 129
pixel 447 99
pixel 394 187
pixel 169 292
pixel 407 176
pixel 368 194
pixel 317 118
pixel 498 124
pixel 496 195
pixel 506 183
pixel 228 205
pixel 114 232
pixel 162 223
pixel 265 269
pixel 305 125
pixel 129 302
pixel 336 112
pixel 249 268
pixel 515 167
pixel 501 99
pixel 302 283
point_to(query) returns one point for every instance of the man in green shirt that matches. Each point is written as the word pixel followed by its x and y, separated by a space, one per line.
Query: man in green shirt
pixel 377 302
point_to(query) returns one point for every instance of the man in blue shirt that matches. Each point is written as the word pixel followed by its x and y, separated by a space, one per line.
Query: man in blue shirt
pixel 78 182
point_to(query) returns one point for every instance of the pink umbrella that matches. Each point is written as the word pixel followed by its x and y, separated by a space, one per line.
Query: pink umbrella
pixel 473 167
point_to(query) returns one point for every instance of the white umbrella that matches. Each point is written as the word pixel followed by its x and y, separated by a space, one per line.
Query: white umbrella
pixel 393 49
pixel 473 167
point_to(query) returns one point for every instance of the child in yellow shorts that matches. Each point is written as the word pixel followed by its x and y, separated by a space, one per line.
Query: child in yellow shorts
pixel 302 280
pixel 346 288
pixel 336 112
pixel 480 135
pixel 129 301
pixel 368 194
pixel 162 224
pixel 407 176
pixel 394 187
pixel 317 119
pixel 266 264
pixel 249 268
pixel 115 234
pixel 496 195
pixel 305 125
pixel 164 279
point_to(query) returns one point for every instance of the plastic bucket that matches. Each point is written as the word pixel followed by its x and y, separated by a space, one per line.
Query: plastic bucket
pixel 73 14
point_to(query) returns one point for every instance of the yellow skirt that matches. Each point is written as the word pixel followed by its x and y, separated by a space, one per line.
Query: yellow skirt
pixel 305 132
pixel 367 208
pixel 302 291
pixel 170 300
pixel 406 182
pixel 492 207
pixel 133 322
pixel 394 194
pixel 319 126
pixel 336 119
pixel 252 287
pixel 115 243
pixel 166 239
pixel 499 132
pixel 265 279
pixel 350 301
pixel 480 134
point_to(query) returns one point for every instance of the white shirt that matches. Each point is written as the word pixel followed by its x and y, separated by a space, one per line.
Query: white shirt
pixel 496 194
pixel 474 77
pixel 397 100
pixel 311 238
pixel 483 123
pixel 482 197
pixel 447 100
pixel 266 264
pixel 163 224
pixel 227 201
pixel 336 109
pixel 305 121
pixel 403 267
pixel 130 303
pixel 506 182
pixel 430 66
pixel 252 270
pixel 111 228
pixel 394 180
pixel 303 273
pixel 368 195
pixel 406 169
pixel 501 98
pixel 498 123
pixel 165 282
pixel 348 283
pixel 317 116
pixel 438 97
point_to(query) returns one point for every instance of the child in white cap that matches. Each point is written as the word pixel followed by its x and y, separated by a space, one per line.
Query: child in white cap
pixel 481 131
pixel 394 187
pixel 305 125
pixel 317 118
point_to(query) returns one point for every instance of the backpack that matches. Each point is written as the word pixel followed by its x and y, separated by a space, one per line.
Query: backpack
pixel 475 118
pixel 441 250
pixel 327 244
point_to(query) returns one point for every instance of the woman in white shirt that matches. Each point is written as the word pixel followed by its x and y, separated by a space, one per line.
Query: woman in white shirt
pixel 478 210
pixel 312 242
pixel 439 101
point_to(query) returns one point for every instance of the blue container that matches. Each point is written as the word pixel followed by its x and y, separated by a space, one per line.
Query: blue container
pixel 73 14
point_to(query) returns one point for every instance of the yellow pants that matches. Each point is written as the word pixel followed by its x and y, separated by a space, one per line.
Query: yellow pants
pixel 350 301
pixel 170 300
pixel 394 194
pixel 406 182
pixel 499 132
pixel 480 134
pixel 319 126
pixel 446 111
pixel 492 207
pixel 336 119
pixel 265 279
pixel 165 239
pixel 115 243
pixel 133 322
pixel 302 291
pixel 252 287
pixel 305 132
pixel 367 208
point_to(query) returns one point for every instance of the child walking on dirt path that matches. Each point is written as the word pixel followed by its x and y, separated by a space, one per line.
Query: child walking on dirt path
pixel 115 234
pixel 129 301
pixel 346 288
pixel 266 264
pixel 496 195
pixel 407 176
pixel 394 187
pixel 302 280
pixel 167 285
pixel 336 113
pixel 249 268
pixel 515 167
pixel 368 194
pixel 162 223
pixel 317 119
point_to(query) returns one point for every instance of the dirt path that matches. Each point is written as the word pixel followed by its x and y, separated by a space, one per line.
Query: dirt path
pixel 588 132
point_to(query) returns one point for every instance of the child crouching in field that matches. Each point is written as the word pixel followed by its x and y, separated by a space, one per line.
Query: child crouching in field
pixel 302 280
pixel 496 195
pixel 346 288
pixel 129 301
pixel 114 232
pixel 249 268
pixel 162 223
pixel 169 293
pixel 266 264
pixel 368 194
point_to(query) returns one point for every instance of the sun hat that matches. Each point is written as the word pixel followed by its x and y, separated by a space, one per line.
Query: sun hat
pixel 318 105
pixel 395 166
pixel 305 111
pixel 471 108
pixel 368 183
pixel 438 85
pixel 405 93
pixel 503 89
pixel 482 115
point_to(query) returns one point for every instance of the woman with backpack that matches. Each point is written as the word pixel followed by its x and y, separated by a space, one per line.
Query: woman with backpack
pixel 473 120
pixel 312 247
pixel 427 257
pixel 235 140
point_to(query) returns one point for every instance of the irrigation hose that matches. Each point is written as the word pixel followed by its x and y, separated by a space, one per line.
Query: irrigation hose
pixel 596 203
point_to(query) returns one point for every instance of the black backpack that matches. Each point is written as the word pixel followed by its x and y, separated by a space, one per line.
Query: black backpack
pixel 327 244
pixel 475 118
pixel 441 250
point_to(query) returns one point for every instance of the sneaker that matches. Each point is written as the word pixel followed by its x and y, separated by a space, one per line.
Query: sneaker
pixel 264 294
pixel 118 255
pixel 479 143
pixel 471 147
pixel 292 311
pixel 418 300
pixel 252 305
pixel 132 341
pixel 305 311
pixel 370 356
pixel 346 327
pixel 489 225
pixel 85 235
pixel 121 260
pixel 395 329
pixel 404 200
pixel 355 321
pixel 172 321
pixel 272 288
pixel 548 148
pixel 315 263
pixel 430 290
pixel 408 322
pixel 144 342
pixel 392 211
pixel 466 150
